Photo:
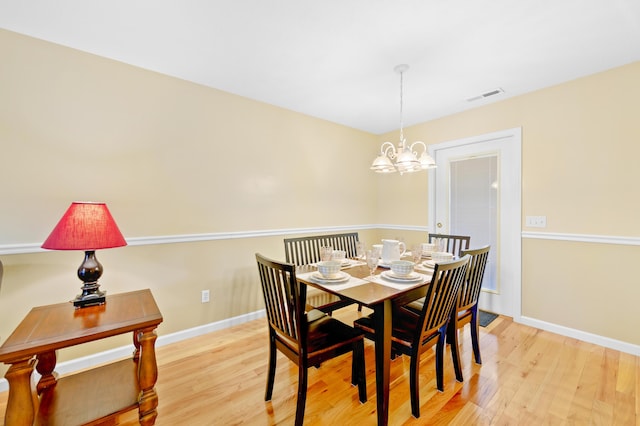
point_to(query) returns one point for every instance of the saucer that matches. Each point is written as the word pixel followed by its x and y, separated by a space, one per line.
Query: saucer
pixel 411 278
pixel 340 277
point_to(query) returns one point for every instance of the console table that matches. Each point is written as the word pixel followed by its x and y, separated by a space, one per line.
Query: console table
pixel 94 395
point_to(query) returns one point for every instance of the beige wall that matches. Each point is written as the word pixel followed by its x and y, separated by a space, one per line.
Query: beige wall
pixel 170 158
pixel 580 151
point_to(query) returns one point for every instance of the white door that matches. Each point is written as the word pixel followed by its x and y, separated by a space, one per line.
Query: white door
pixel 475 190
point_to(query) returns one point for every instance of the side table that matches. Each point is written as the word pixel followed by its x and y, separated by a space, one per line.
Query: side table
pixel 94 395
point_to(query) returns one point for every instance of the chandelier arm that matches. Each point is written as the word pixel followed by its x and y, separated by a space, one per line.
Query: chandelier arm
pixel 388 149
pixel 419 143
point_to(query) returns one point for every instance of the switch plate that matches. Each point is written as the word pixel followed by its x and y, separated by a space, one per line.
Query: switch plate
pixel 536 221
pixel 205 296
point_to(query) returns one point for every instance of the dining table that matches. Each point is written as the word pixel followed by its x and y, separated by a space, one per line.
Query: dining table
pixel 379 294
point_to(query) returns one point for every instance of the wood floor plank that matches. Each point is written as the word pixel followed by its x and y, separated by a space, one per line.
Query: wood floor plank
pixel 528 376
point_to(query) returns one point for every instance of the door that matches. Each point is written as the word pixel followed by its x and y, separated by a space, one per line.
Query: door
pixel 475 190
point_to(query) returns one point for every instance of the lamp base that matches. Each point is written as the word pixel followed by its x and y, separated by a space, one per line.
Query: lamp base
pixel 84 300
pixel 89 272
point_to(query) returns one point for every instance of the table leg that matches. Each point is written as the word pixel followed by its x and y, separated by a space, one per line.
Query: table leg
pixel 46 365
pixel 20 404
pixel 147 376
pixel 382 315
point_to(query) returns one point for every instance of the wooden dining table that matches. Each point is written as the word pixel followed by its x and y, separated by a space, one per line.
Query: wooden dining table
pixel 380 298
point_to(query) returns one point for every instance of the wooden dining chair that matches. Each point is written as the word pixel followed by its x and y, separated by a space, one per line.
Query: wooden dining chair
pixel 466 311
pixel 413 333
pixel 306 338
pixel 306 250
pixel 453 244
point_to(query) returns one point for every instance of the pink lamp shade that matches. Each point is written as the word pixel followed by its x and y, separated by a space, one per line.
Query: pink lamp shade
pixel 85 226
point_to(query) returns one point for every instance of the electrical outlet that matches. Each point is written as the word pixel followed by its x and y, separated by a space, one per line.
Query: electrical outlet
pixel 205 296
pixel 536 221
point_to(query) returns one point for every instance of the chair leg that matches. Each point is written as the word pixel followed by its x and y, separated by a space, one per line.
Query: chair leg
pixel 271 373
pixel 359 307
pixel 475 334
pixel 439 358
pixel 358 370
pixel 414 384
pixel 302 393
pixel 452 339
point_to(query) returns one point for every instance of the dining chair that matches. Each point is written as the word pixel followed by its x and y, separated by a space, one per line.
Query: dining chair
pixel 306 250
pixel 466 311
pixel 413 333
pixel 453 244
pixel 306 338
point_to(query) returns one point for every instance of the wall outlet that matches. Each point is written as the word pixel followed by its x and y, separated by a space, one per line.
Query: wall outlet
pixel 205 296
pixel 536 221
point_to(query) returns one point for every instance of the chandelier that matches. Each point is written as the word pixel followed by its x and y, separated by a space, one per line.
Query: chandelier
pixel 402 158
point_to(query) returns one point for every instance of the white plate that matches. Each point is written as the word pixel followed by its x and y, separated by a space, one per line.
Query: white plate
pixel 341 277
pixel 412 278
pixel 429 264
pixel 384 265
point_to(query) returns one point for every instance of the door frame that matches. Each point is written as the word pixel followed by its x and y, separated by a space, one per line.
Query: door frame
pixel 509 208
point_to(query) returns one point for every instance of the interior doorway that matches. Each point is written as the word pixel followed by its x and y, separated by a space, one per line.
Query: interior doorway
pixel 476 191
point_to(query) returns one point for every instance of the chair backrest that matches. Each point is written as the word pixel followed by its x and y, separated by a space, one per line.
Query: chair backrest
pixel 470 291
pixel 283 299
pixel 441 296
pixel 453 243
pixel 306 250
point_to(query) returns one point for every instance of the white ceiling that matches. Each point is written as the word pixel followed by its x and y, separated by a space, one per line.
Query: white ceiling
pixel 334 59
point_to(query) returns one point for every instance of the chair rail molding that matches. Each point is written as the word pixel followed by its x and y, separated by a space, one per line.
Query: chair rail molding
pixel 212 236
pixel 583 238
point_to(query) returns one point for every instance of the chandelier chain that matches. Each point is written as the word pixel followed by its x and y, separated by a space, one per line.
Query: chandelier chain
pixel 401 101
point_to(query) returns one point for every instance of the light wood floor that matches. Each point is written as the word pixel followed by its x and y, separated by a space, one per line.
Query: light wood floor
pixel 529 377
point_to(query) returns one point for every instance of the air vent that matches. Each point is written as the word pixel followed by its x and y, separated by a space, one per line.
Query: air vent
pixel 486 95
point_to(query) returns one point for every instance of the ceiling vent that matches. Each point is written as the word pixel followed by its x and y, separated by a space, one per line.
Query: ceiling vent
pixel 486 95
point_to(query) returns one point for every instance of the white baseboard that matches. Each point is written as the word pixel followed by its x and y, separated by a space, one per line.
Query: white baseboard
pixel 115 354
pixel 582 335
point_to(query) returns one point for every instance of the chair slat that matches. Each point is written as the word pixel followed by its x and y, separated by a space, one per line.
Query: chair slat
pixel 453 243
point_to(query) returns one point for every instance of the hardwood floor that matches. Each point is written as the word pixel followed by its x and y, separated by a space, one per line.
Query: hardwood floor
pixel 529 377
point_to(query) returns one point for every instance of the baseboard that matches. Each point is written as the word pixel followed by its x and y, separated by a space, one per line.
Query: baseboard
pixel 582 335
pixel 115 354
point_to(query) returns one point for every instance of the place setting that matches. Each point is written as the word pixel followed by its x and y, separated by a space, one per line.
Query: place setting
pixel 400 273
pixel 329 253
pixel 330 275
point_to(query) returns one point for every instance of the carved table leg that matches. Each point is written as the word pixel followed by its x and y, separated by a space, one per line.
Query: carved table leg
pixel 21 404
pixel 147 376
pixel 45 366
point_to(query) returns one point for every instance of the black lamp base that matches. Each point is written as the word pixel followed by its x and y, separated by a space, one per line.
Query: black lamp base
pixel 84 300
pixel 89 272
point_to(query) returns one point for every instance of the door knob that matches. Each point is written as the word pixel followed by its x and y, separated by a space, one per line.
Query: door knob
pixel 439 224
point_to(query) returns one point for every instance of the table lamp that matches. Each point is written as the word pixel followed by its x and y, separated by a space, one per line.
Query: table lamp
pixel 86 226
